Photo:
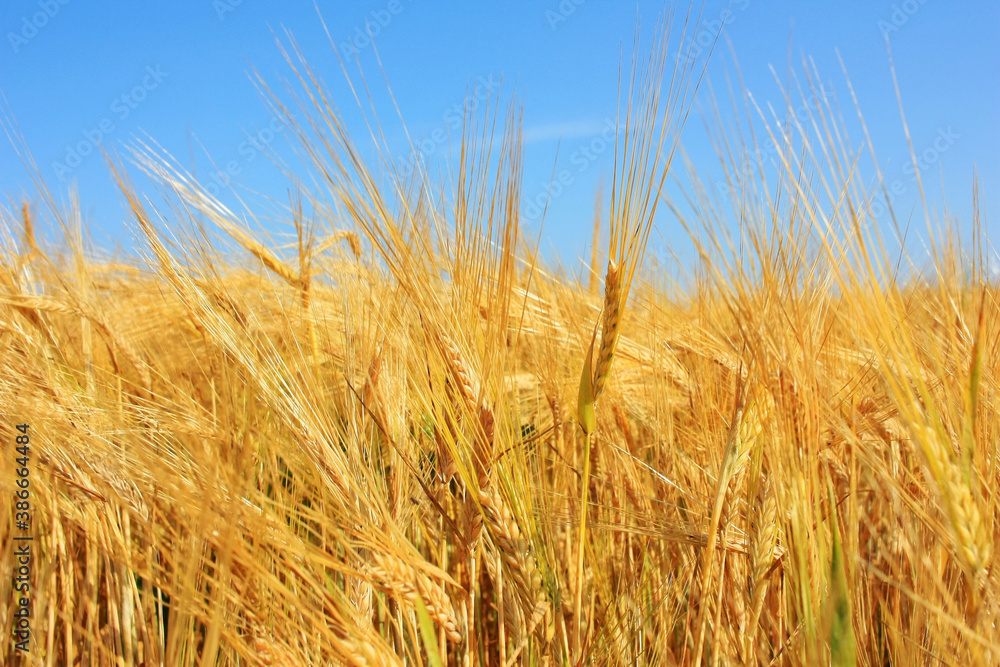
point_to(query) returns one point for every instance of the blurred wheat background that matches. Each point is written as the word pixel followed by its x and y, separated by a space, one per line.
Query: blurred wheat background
pixel 398 436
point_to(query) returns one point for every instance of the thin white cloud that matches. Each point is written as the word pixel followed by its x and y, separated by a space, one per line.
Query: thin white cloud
pixel 574 129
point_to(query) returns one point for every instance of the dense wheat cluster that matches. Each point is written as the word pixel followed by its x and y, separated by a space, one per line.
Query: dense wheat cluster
pixel 403 439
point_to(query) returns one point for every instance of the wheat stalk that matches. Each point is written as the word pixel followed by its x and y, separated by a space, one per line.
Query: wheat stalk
pixel 352 241
pixel 744 431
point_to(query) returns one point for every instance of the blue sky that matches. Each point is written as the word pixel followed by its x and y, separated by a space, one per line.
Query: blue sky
pixel 74 73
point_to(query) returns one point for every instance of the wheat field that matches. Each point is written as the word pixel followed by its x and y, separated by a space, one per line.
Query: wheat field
pixel 393 434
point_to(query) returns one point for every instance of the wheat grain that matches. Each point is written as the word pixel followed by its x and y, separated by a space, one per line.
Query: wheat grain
pixel 611 321
pixel 394 576
pixel 761 548
pixel 514 551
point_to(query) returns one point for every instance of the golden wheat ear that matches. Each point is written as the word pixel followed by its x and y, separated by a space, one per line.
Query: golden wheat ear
pixel 594 378
pixel 586 399
pixel 611 320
